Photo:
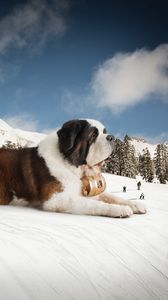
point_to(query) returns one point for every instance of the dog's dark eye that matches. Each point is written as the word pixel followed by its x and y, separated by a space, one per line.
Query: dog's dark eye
pixel 94 135
pixel 104 130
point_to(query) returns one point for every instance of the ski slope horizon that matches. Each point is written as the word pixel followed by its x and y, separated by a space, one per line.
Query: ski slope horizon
pixel 61 256
pixel 30 138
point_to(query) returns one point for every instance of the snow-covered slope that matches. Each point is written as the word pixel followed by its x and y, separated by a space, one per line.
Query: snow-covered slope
pixel 18 136
pixel 140 144
pixel 59 256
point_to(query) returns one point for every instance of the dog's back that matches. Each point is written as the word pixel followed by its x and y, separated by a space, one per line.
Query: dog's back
pixel 24 174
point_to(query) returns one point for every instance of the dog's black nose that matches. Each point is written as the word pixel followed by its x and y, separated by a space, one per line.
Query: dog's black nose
pixel 110 138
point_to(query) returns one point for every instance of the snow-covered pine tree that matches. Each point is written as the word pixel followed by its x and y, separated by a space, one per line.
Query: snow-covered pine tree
pixel 150 166
pixel 117 157
pixel 166 159
pixel 160 161
pixel 129 168
pixel 11 145
pixel 141 164
pixel 114 163
pixel 146 166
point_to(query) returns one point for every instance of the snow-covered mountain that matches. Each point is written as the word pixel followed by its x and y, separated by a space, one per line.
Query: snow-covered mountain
pixel 28 138
pixel 140 144
pixel 18 136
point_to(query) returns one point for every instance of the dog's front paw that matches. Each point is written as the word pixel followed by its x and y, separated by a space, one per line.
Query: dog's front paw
pixel 122 211
pixel 138 207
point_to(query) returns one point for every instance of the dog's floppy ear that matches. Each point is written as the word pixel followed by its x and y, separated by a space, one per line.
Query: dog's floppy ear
pixel 67 135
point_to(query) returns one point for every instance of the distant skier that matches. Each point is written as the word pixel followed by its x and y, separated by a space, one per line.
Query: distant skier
pixel 142 196
pixel 124 188
pixel 139 185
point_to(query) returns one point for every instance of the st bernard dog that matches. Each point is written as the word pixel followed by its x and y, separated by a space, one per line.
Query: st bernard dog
pixel 51 173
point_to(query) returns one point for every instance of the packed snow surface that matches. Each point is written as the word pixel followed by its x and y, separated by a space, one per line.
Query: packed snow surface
pixel 50 256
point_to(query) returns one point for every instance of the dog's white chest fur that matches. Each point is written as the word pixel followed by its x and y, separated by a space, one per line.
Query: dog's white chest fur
pixel 68 175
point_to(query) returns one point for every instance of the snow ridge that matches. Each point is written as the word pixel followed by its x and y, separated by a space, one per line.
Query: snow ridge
pixel 140 144
pixel 18 136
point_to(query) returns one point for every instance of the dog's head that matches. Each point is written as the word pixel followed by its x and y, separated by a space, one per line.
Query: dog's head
pixel 84 142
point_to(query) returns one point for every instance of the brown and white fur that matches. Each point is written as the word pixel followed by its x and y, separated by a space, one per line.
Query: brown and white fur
pixel 51 173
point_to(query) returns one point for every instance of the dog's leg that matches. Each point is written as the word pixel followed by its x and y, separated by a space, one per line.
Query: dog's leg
pixel 83 205
pixel 18 202
pixel 137 206
pixel 5 194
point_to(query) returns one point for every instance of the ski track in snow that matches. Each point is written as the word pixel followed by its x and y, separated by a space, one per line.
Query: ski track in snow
pixel 60 256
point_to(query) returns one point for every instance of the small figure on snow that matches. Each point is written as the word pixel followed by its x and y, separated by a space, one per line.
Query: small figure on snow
pixel 124 188
pixel 142 196
pixel 139 185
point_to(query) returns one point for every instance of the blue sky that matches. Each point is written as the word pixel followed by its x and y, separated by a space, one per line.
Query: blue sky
pixel 61 60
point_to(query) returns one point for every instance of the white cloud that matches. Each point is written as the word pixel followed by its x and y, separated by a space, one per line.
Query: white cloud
pixel 130 78
pixel 23 121
pixel 31 24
